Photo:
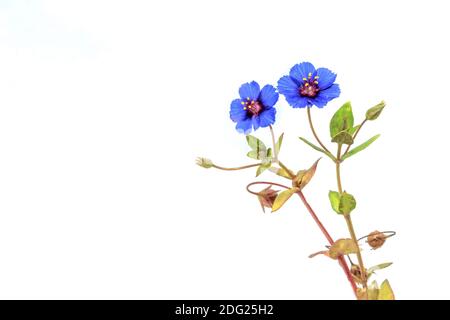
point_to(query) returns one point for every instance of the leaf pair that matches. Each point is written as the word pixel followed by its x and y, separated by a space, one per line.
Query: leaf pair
pixel 341 247
pixel 343 130
pixel 341 125
pixel 261 152
pixel 302 178
pixel 342 203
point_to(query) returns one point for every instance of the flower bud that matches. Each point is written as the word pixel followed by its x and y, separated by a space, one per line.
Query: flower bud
pixel 374 112
pixel 376 239
pixel 267 197
pixel 203 162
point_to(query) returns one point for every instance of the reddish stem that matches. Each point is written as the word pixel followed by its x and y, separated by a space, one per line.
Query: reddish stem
pixel 341 259
pixel 322 228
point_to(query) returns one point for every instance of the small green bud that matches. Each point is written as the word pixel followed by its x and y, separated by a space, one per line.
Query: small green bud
pixel 375 111
pixel 204 162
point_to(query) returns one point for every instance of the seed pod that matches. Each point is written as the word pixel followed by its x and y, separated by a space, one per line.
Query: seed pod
pixel 267 197
pixel 376 239
pixel 356 273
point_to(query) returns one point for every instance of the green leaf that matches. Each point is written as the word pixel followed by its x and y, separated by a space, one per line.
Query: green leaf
pixel 278 144
pixel 346 203
pixel 342 120
pixel 386 292
pixel 361 147
pixel 282 197
pixel 269 153
pixel 375 111
pixel 263 167
pixel 318 148
pixel 342 203
pixel 343 137
pixel 379 267
pixel 256 144
pixel 342 247
pixel 334 200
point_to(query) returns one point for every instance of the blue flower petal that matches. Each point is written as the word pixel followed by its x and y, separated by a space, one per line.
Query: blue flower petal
pixel 302 70
pixel 326 78
pixel 297 101
pixel 249 90
pixel 268 96
pixel 255 122
pixel 288 87
pixel 244 126
pixel 237 112
pixel 267 117
pixel 326 96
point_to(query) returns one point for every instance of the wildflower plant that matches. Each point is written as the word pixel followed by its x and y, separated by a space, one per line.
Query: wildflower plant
pixel 308 87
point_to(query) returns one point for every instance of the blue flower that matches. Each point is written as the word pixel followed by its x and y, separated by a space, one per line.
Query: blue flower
pixel 254 108
pixel 306 86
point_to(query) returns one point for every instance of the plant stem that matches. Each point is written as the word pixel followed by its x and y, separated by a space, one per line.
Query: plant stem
pixel 273 142
pixel 354 136
pixel 322 228
pixel 349 222
pixel 330 240
pixel 314 131
pixel 236 168
pixel 338 168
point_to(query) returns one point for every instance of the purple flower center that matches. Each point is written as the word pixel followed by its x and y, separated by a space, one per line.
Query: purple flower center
pixel 254 107
pixel 310 86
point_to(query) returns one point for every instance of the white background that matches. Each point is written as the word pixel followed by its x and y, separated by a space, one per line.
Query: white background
pixel 104 106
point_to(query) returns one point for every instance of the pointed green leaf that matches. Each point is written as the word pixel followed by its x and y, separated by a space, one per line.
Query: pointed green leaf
pixel 282 197
pixel 361 147
pixel 263 167
pixel 379 267
pixel 375 111
pixel 317 148
pixel 346 203
pixel 342 120
pixel 334 200
pixel 278 144
pixel 343 137
pixel 386 292
pixel 256 144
